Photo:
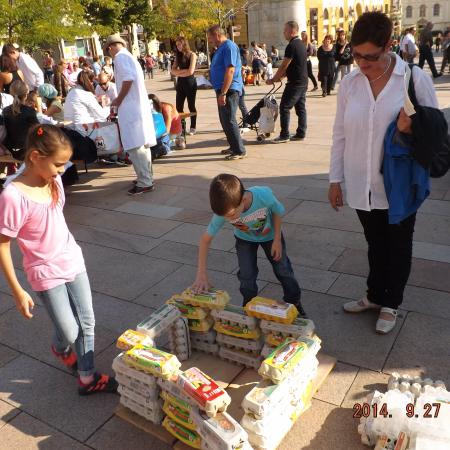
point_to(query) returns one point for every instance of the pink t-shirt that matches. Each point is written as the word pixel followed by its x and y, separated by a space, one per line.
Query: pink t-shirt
pixel 51 256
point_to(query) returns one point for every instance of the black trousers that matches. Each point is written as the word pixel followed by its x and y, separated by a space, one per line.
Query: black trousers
pixel 310 73
pixel 426 54
pixel 187 88
pixel 327 83
pixel 390 253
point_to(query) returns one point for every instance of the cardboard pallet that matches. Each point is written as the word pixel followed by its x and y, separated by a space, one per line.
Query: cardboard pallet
pixel 238 385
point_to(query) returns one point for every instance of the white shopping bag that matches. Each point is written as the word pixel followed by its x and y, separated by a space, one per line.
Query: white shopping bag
pixel 106 138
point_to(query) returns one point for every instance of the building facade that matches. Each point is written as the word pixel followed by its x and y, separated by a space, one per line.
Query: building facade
pixel 419 12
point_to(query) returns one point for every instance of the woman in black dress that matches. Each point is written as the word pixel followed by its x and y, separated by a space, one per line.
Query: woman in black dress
pixel 326 55
pixel 184 68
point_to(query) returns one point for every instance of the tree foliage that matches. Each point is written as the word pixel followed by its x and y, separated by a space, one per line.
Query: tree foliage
pixel 103 16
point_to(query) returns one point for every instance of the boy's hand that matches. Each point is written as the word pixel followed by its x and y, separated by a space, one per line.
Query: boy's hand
pixel 25 304
pixel 201 284
pixel 276 249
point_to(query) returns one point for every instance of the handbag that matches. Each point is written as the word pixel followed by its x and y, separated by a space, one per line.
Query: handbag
pixel 106 138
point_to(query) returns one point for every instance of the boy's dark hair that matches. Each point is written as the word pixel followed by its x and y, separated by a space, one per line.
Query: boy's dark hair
pixel 225 193
pixel 374 27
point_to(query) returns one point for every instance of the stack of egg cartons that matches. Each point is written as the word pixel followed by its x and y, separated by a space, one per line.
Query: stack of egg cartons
pixel 276 333
pixel 284 393
pixel 195 407
pixel 168 319
pixel 239 336
pixel 136 371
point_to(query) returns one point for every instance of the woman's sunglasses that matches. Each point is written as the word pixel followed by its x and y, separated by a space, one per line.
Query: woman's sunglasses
pixel 372 58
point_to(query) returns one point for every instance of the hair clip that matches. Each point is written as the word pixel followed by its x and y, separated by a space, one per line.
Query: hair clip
pixel 40 131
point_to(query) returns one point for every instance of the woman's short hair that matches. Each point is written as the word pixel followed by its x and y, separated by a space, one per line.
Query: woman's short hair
pixel 84 80
pixel 374 27
pixel 329 37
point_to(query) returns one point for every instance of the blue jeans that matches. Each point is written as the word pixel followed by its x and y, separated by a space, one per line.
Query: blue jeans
pixel 248 270
pixel 294 95
pixel 227 116
pixel 69 306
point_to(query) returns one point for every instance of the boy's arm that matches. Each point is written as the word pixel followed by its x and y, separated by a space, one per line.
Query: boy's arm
pixel 201 283
pixel 276 246
pixel 23 300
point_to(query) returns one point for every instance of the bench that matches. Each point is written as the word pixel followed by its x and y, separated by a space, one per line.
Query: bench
pixel 183 117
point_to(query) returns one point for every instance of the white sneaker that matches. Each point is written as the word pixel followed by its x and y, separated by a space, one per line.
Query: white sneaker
pixel 192 131
pixel 385 326
pixel 360 306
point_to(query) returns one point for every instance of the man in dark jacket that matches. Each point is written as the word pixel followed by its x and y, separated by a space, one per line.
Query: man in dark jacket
pixel 425 49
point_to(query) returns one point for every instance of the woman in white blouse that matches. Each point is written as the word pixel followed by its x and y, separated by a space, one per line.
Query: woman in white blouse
pixel 81 106
pixel 369 99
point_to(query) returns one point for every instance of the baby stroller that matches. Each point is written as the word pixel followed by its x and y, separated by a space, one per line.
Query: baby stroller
pixel 262 117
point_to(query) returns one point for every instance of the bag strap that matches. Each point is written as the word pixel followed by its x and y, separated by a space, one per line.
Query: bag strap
pixel 410 93
pixel 411 87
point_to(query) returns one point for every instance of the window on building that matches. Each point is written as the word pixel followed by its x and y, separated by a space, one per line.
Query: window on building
pixel 422 11
pixel 341 13
pixel 437 10
pixel 386 9
pixel 325 14
pixel 408 12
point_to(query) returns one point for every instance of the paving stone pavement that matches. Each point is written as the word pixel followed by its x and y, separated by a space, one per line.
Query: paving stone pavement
pixel 142 250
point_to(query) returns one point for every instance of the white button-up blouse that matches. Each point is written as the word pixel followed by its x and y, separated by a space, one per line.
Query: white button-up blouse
pixel 360 126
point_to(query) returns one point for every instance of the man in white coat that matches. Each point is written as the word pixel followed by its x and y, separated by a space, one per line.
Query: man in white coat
pixel 32 73
pixel 134 112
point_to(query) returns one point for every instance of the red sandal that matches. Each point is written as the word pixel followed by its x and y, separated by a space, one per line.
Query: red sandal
pixel 100 383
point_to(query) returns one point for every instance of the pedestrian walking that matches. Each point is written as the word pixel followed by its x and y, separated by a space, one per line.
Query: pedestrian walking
pixel 149 65
pixel 134 113
pixel 343 56
pixel 294 67
pixel 186 87
pixel 327 64
pixel 226 78
pixel 426 49
pixel 309 53
pixel 409 45
pixel 48 64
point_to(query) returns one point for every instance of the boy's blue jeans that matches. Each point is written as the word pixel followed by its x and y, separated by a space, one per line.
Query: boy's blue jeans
pixel 69 306
pixel 248 270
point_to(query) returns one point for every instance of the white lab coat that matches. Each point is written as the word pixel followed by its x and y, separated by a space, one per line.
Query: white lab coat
pixel 33 75
pixel 135 115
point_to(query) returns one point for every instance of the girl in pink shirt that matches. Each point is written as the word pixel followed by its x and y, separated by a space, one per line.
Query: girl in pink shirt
pixel 31 211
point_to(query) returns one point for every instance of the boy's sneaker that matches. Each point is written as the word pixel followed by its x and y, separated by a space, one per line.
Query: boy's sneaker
pixel 136 190
pixel 192 131
pixel 69 358
pixel 235 156
pixel 301 311
pixel 296 137
pixel 100 383
pixel 226 151
pixel 281 140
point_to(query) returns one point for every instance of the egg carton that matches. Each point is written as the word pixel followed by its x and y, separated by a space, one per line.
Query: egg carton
pixel 149 401
pixel 159 321
pixel 236 329
pixel 149 391
pixel 121 368
pixel 267 350
pixel 155 415
pixel 240 357
pixel 179 339
pixel 187 311
pixel 171 387
pixel 236 315
pixel 201 325
pixel 212 299
pixel 205 347
pixel 247 345
pixel 208 337
pixel 300 327
pixel 416 385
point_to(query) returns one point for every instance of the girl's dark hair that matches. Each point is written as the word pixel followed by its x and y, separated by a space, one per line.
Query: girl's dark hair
pixel 184 56
pixel 225 193
pixel 47 140
pixel 156 102
pixel 8 64
pixel 374 27
pixel 84 80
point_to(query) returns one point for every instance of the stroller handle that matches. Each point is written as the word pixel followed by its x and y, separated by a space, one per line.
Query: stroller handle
pixel 274 89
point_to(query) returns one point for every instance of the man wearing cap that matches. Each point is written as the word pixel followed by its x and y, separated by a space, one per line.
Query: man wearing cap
pixel 134 112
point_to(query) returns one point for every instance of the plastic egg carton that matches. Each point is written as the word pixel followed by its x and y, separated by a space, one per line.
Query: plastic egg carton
pixel 247 345
pixel 150 402
pixel 213 299
pixel 236 329
pixel 179 339
pixel 121 368
pixel 415 385
pixel 149 391
pixel 208 337
pixel 187 311
pixel 159 321
pixel 236 315
pixel 205 347
pixel 299 327
pixel 171 387
pixel 267 350
pixel 154 415
pixel 189 437
pixel 202 325
pixel 238 356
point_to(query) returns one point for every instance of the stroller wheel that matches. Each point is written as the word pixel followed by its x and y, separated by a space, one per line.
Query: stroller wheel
pixel 260 138
pixel 267 135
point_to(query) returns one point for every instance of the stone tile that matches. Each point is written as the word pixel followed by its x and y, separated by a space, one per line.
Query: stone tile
pixel 117 315
pixel 188 254
pixel 365 383
pixel 34 337
pixel 352 262
pixel 103 360
pixel 27 432
pixel 316 194
pixel 342 334
pixel 148 209
pixel 320 213
pixel 337 384
pixel 116 434
pixel 6 355
pixel 44 393
pixel 122 274
pixel 193 216
pixel 183 278
pixel 308 277
pixel 189 233
pixel 113 239
pixel 439 207
pixel 422 348
pixel 432 228
pixel 432 252
pixel 6 300
pixel 118 221
pixel 349 286
pixel 323 427
pixel 7 413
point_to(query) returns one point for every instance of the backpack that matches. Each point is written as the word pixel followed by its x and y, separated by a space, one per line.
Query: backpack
pixel 431 138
